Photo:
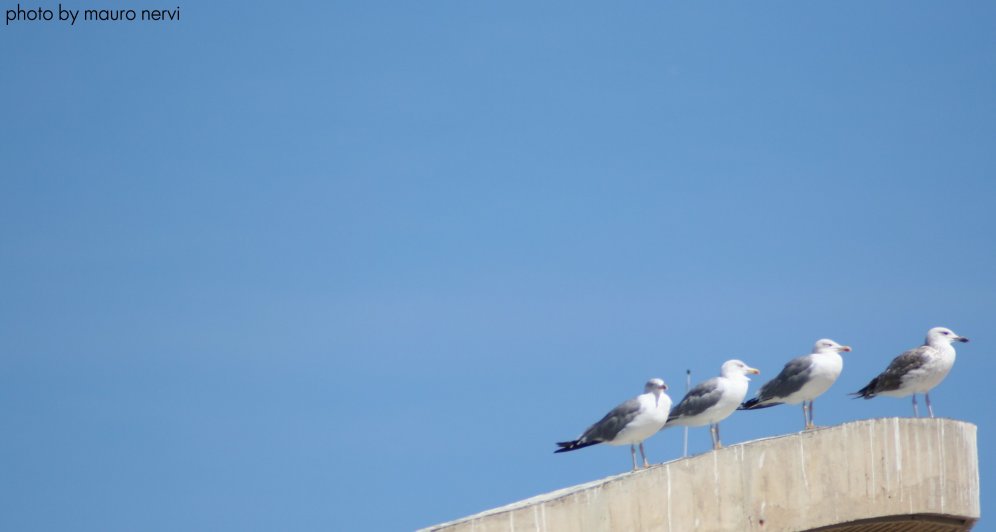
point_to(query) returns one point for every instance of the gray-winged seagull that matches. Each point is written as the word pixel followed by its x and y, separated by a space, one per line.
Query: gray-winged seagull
pixel 714 400
pixel 917 370
pixel 629 423
pixel 803 379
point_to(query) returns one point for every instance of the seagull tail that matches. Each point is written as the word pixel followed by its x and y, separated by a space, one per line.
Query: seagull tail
pixel 867 392
pixel 573 445
pixel 755 404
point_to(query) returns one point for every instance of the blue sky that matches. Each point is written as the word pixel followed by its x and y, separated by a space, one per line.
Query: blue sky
pixel 359 265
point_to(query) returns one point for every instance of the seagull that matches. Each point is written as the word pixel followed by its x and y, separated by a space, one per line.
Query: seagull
pixel 714 400
pixel 917 370
pixel 802 380
pixel 629 423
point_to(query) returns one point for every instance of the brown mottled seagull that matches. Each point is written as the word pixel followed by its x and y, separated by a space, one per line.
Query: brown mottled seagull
pixel 917 370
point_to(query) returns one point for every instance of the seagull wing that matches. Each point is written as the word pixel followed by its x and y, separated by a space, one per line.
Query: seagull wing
pixel 792 378
pixel 702 397
pixel 607 428
pixel 902 365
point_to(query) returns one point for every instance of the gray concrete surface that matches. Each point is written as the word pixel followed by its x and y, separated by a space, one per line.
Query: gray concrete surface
pixel 871 475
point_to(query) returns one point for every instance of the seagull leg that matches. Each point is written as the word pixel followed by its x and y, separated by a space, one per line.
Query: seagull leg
pixel 632 451
pixel 714 432
pixel 930 409
pixel 805 413
pixel 916 411
pixel 646 464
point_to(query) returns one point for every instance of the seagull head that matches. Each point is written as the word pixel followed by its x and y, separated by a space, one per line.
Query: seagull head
pixel 943 336
pixel 827 345
pixel 737 368
pixel 655 386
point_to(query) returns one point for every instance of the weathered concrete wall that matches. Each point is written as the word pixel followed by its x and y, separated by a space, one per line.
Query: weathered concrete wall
pixel 875 470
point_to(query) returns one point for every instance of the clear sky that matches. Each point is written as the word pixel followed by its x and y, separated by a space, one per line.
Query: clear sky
pixel 358 265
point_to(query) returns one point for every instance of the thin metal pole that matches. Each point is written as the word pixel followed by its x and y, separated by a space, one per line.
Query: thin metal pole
pixel 688 386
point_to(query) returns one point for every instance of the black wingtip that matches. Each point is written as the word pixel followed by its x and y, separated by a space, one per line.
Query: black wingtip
pixel 867 392
pixel 748 404
pixel 573 445
pixel 755 404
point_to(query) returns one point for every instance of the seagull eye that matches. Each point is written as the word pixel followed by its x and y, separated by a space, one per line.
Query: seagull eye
pixel 945 333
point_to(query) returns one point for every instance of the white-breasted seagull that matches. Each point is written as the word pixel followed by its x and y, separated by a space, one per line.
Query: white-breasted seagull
pixel 714 400
pixel 629 423
pixel 803 379
pixel 917 370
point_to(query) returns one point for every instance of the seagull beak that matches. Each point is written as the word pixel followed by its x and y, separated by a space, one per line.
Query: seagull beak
pixel 845 349
pixel 753 371
pixel 962 339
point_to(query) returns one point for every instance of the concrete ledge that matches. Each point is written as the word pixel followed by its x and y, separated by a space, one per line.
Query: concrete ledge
pixel 871 475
